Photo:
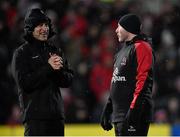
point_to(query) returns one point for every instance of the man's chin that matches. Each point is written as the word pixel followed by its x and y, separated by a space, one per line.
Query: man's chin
pixel 120 40
pixel 43 39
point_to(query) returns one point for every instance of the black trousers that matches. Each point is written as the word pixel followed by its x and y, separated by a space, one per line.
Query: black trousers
pixel 44 128
pixel 123 129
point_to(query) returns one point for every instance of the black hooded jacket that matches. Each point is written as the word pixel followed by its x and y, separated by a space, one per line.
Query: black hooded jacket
pixel 37 82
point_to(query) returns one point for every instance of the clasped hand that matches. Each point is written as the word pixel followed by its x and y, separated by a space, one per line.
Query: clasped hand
pixel 55 61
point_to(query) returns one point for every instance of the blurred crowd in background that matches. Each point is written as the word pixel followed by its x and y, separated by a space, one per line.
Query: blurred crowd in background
pixel 86 33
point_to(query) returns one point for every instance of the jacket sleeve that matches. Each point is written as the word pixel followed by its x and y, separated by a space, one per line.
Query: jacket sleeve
pixel 108 109
pixel 25 78
pixel 64 77
pixel 144 60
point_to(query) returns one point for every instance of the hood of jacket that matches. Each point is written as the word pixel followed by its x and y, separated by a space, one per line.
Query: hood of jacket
pixel 32 19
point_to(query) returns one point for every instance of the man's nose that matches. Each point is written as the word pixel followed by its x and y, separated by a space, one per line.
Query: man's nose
pixel 45 27
pixel 116 30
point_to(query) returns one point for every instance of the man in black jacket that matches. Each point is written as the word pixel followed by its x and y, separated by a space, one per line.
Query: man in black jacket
pixel 130 101
pixel 40 69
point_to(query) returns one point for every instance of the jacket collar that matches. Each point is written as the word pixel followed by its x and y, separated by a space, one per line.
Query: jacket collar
pixel 37 43
pixel 136 38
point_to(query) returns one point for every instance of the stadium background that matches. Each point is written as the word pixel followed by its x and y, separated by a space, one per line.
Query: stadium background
pixel 86 33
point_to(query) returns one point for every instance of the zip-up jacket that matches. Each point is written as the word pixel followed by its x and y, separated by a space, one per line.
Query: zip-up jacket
pixel 132 80
pixel 38 83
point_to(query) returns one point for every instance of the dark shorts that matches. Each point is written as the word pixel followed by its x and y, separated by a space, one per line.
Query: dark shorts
pixel 123 129
pixel 44 128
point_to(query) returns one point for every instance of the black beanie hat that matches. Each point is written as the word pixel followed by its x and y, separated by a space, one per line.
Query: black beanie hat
pixel 131 23
pixel 32 19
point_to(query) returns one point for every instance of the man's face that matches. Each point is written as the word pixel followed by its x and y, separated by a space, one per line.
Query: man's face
pixel 41 32
pixel 122 34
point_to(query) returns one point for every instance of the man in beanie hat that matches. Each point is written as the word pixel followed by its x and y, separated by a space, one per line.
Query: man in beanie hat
pixel 130 100
pixel 40 69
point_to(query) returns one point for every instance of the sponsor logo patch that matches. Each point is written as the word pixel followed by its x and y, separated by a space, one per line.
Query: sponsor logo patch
pixel 116 76
pixel 35 57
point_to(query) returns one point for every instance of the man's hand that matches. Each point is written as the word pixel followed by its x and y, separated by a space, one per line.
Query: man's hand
pixel 106 122
pixel 106 116
pixel 55 61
